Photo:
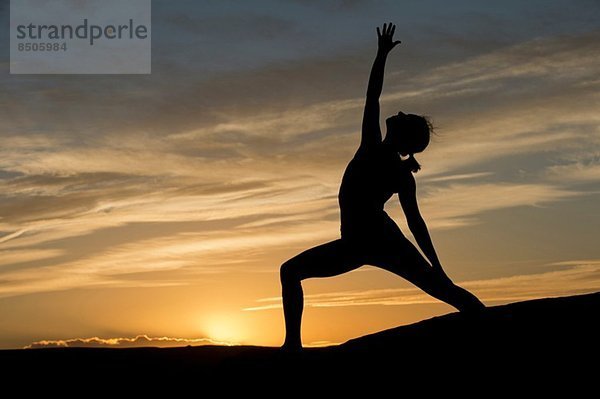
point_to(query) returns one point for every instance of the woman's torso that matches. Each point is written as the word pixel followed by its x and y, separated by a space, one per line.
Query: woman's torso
pixel 370 179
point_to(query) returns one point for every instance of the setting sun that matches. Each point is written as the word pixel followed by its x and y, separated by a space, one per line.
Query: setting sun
pixel 223 328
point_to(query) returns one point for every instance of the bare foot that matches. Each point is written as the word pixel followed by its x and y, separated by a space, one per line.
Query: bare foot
pixel 291 348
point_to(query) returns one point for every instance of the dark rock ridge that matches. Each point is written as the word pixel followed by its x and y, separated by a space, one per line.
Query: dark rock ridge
pixel 556 338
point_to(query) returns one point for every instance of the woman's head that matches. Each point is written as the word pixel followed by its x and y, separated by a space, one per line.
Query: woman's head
pixel 408 134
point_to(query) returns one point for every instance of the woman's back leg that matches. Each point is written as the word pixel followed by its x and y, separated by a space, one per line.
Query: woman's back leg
pixel 407 262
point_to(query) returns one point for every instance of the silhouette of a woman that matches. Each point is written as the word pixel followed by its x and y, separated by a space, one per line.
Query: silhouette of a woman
pixel 368 234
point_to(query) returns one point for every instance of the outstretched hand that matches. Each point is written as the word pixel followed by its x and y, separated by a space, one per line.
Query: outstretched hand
pixel 386 38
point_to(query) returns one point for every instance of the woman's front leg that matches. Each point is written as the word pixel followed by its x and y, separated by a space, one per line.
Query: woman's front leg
pixel 326 260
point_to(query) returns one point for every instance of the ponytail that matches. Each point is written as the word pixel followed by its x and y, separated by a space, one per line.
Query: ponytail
pixel 412 163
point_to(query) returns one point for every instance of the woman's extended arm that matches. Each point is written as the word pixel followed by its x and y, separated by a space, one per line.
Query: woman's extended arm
pixel 416 224
pixel 371 132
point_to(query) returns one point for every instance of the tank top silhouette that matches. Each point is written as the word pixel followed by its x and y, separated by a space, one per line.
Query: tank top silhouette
pixel 370 179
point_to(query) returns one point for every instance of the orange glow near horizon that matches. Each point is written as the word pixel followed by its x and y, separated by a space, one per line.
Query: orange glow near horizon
pixel 224 328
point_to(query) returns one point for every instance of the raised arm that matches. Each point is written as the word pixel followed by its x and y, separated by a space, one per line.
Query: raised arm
pixel 371 132
pixel 416 223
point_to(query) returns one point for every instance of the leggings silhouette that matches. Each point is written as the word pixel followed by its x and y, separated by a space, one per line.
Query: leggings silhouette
pixel 368 234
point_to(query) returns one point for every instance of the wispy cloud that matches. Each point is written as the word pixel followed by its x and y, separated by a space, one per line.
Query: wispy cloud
pixel 459 204
pixel 461 176
pixel 573 277
pixel 269 177
pixel 11 257
pixel 133 342
pixel 578 171
pixel 219 250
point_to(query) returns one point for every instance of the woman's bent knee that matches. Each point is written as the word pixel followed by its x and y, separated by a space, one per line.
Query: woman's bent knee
pixel 288 272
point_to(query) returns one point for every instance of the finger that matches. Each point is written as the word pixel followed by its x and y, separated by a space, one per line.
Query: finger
pixel 397 42
pixel 393 30
pixel 378 32
pixel 385 29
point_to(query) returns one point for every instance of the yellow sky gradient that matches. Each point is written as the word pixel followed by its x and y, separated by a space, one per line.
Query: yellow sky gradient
pixel 161 207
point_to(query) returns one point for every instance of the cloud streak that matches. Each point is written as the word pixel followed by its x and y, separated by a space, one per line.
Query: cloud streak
pixel 223 250
pixel 575 277
pixel 124 342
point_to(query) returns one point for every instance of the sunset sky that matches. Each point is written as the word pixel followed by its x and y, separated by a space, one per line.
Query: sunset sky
pixel 163 205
